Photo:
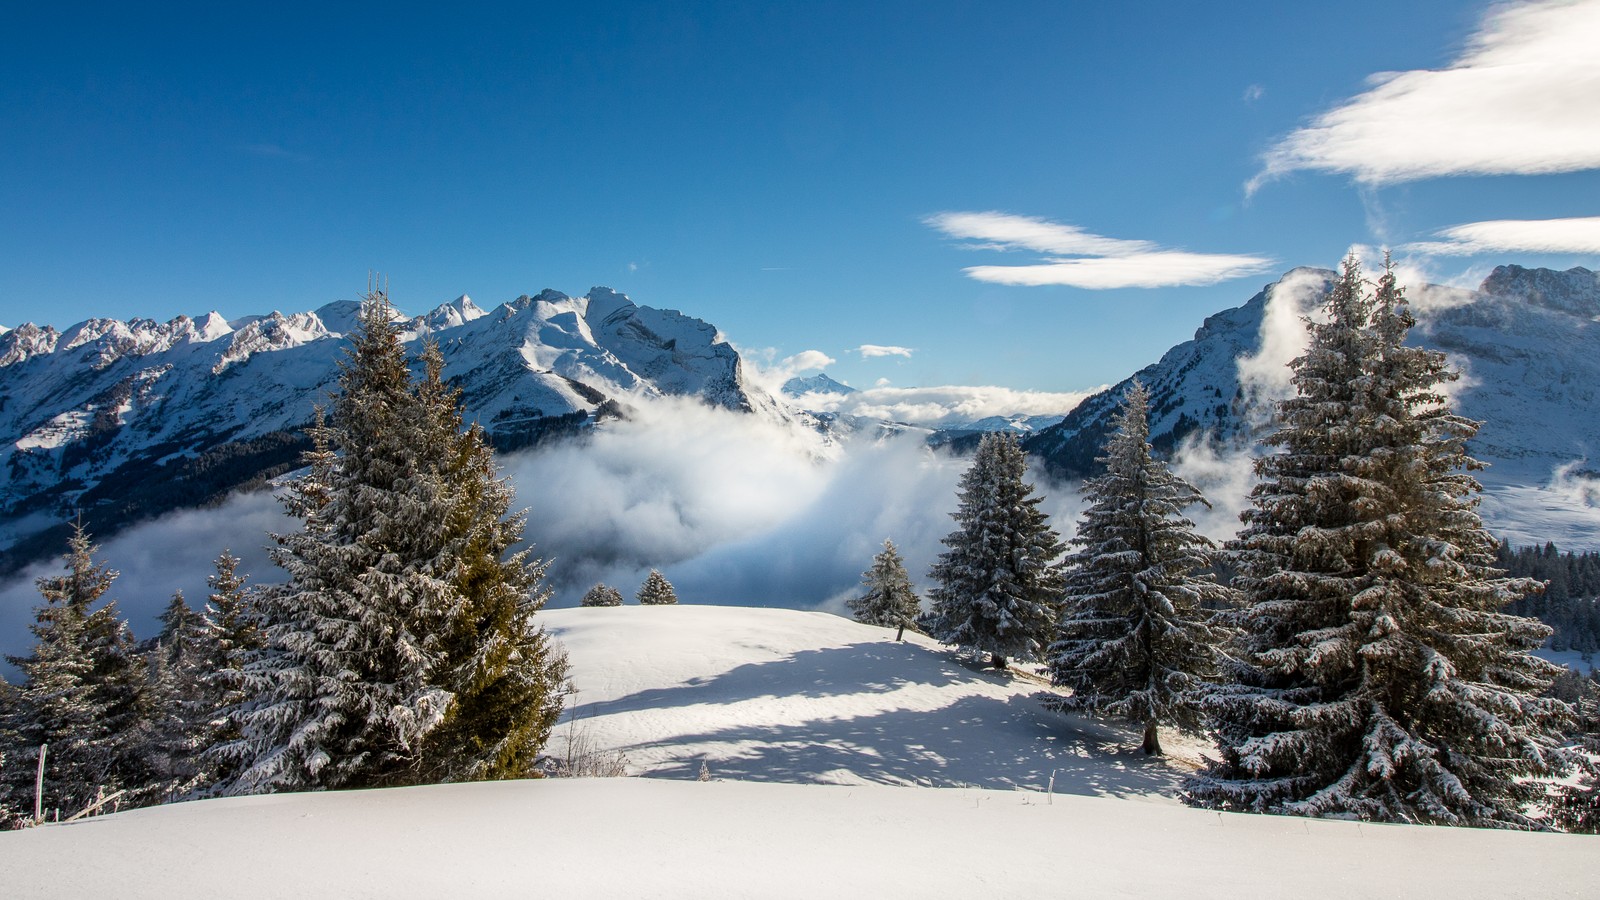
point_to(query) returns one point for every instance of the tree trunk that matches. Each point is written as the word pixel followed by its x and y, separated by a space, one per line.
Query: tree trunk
pixel 1152 740
pixel 998 661
pixel 901 634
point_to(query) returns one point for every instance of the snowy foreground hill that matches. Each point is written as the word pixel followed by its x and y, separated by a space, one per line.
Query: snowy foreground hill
pixel 811 728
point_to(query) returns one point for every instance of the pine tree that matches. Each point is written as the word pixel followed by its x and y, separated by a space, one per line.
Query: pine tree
pixel 602 595
pixel 1382 679
pixel 183 705
pixel 998 587
pixel 402 649
pixel 656 591
pixel 889 600
pixel 1135 640
pixel 83 692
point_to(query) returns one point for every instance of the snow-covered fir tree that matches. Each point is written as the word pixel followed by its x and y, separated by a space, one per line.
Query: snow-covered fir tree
pixel 402 649
pixel 889 600
pixel 183 706
pixel 1382 680
pixel 1136 639
pixel 656 591
pixel 235 639
pixel 602 595
pixel 83 693
pixel 998 588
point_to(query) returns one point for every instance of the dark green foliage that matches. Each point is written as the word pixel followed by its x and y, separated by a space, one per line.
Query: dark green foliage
pixel 402 649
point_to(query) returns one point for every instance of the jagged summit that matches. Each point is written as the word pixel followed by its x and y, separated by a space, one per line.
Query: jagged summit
pixel 1575 291
pixel 126 419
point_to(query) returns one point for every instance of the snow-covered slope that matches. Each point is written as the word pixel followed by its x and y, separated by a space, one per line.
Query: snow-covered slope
pixel 768 703
pixel 781 695
pixel 1527 343
pixel 122 420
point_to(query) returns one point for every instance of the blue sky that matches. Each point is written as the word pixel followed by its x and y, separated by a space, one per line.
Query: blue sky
pixel 993 187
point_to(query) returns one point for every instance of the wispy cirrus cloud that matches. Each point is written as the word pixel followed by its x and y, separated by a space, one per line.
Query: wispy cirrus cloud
pixel 869 351
pixel 1082 259
pixel 1575 235
pixel 1523 98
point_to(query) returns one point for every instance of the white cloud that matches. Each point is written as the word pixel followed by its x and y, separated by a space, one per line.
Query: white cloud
pixel 1523 98
pixel 945 405
pixel 868 351
pixel 1575 235
pixel 1162 268
pixel 808 360
pixel 1077 258
pixel 1254 92
pixel 1004 231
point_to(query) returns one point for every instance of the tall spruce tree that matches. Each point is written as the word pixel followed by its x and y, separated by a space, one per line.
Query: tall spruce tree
pixel 1136 640
pixel 889 600
pixel 998 588
pixel 402 649
pixel 1382 679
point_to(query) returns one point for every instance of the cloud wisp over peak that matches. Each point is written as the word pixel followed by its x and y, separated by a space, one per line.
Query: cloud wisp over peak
pixel 1078 258
pixel 1523 98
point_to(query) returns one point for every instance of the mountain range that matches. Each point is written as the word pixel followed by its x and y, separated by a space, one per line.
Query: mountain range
pixel 120 421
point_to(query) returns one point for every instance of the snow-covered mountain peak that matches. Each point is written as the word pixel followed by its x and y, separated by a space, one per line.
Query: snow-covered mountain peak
pixel 603 303
pixel 819 383
pixel 169 412
pixel 1575 291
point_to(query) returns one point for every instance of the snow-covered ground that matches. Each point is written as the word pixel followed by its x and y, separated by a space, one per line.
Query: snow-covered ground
pixel 767 696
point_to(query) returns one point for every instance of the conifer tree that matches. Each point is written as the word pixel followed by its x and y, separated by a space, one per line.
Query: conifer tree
pixel 602 595
pixel 1135 640
pixel 889 600
pixel 182 706
pixel 1382 680
pixel 656 591
pixel 507 678
pixel 402 649
pixel 83 692
pixel 998 588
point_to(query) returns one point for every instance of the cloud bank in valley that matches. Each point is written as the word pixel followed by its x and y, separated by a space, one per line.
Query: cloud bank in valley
pixel 1077 258
pixel 1522 98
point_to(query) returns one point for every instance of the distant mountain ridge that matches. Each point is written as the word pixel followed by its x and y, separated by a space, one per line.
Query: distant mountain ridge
pixel 123 420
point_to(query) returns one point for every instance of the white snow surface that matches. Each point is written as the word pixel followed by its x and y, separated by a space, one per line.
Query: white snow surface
pixel 780 696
